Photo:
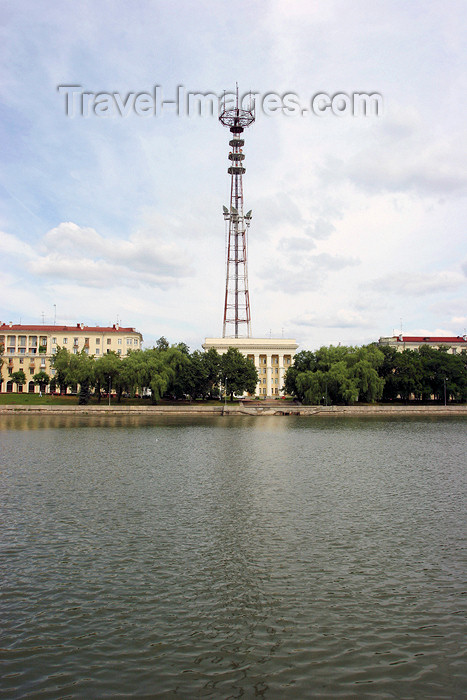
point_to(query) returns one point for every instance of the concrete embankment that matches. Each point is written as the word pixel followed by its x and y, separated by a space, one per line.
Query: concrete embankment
pixel 281 409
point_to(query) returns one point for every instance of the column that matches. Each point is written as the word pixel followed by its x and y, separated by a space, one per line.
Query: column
pixel 268 375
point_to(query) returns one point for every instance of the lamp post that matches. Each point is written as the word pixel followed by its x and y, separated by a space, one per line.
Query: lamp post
pixel 225 392
pixel 110 386
pixel 444 381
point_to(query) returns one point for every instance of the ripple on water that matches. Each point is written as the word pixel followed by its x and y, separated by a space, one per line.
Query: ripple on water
pixel 224 558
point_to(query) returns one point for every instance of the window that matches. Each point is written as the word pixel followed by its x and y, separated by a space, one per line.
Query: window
pixel 65 341
pixel 22 341
pixel 33 341
pixel 98 341
pixel 75 341
pixel 119 352
pixel 75 351
pixel 109 340
pixel 54 341
pixel 98 352
pixel 135 342
pixel 119 341
pixel 31 370
pixel 128 341
pixel 21 360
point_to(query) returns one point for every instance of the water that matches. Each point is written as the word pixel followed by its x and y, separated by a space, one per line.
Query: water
pixel 233 557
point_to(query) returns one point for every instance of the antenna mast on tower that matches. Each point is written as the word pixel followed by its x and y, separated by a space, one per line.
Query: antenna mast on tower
pixel 237 316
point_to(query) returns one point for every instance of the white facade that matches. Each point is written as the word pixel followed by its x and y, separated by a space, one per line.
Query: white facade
pixel 271 356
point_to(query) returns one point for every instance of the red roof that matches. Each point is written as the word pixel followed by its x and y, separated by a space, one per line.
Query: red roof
pixel 430 339
pixel 5 328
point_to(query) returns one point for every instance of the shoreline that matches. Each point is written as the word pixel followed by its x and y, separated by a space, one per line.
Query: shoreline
pixel 238 409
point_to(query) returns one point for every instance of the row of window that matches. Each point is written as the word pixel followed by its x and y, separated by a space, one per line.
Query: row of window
pixel 274 359
pixel 31 348
pixel 129 341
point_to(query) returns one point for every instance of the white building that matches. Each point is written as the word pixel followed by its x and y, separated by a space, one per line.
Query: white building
pixel 271 356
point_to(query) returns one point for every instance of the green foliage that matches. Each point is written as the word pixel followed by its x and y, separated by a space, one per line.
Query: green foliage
pixel 18 377
pixel 238 373
pixel 42 379
pixel 371 373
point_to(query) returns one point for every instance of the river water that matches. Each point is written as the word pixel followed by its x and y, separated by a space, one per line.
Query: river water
pixel 273 557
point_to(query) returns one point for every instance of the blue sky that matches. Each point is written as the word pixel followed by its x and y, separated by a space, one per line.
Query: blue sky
pixel 358 222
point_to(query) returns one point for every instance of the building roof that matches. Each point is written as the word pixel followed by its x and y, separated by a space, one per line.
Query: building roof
pixel 5 327
pixel 430 339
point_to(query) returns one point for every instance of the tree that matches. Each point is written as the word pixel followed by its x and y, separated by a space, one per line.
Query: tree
pixel 238 372
pixel 107 372
pixel 41 379
pixel 19 377
pixel 61 363
pixel 162 343
pixel 344 374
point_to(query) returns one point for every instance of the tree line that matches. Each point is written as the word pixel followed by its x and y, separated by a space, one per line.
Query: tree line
pixel 167 370
pixel 346 375
pixel 332 375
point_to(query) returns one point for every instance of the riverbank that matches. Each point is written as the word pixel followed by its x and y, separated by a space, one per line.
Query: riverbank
pixel 239 409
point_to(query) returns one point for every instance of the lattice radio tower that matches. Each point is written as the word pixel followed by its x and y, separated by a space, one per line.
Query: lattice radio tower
pixel 237 316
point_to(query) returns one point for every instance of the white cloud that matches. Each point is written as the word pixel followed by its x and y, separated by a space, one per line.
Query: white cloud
pixel 341 318
pixel 71 252
pixel 11 245
pixel 356 221
pixel 419 284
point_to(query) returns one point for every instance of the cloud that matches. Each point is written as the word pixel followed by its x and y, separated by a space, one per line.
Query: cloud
pixel 341 318
pixel 303 273
pixel 418 284
pixel 80 254
pixel 11 245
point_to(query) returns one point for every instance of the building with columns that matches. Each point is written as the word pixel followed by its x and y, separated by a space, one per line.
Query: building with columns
pixel 272 358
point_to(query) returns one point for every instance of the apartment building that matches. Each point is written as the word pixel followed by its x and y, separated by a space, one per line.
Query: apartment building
pixel 271 356
pixel 31 348
pixel 453 344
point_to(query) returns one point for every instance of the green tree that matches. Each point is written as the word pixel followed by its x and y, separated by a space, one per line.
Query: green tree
pixel 19 378
pixel 342 374
pixel 212 362
pixel 41 379
pixel 238 373
pixel 107 371
pixel 61 362
pixel 162 343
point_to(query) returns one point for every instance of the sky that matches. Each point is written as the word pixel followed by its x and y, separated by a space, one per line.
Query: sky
pixel 358 226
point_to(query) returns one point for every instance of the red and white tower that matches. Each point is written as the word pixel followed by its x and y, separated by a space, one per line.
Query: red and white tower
pixel 237 316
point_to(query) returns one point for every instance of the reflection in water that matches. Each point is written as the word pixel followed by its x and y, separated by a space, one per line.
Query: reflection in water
pixel 228 556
